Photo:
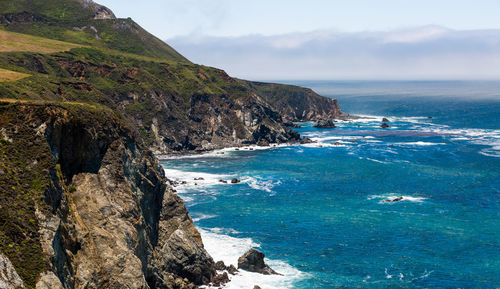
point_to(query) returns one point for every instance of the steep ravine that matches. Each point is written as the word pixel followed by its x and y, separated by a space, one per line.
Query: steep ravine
pixel 91 203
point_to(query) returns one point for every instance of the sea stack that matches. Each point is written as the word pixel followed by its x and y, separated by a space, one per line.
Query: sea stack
pixel 253 261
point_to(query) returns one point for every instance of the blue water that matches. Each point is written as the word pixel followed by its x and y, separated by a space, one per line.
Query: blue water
pixel 320 208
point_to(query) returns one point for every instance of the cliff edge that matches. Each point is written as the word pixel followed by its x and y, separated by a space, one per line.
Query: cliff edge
pixel 85 205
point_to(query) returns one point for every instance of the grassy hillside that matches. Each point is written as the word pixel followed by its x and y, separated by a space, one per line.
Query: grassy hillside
pixel 8 75
pixel 73 21
pixel 10 42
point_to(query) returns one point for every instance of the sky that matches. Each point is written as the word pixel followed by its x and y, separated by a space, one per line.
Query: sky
pixel 329 39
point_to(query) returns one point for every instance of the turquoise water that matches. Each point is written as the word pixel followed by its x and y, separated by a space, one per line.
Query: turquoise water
pixel 318 213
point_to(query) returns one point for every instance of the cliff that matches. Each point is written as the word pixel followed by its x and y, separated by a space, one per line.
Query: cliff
pixel 296 103
pixel 85 205
pixel 83 111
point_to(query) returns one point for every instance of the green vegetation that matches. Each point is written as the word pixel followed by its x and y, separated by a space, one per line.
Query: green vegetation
pixel 7 75
pixel 11 41
pixel 24 163
pixel 69 21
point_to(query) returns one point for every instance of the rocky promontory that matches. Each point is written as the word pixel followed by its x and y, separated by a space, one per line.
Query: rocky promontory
pixel 96 211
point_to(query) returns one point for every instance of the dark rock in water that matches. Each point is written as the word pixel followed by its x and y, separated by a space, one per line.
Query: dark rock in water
pixel 337 143
pixel 220 266
pixel 385 120
pixel 291 124
pixel 199 179
pixel 223 181
pixel 394 200
pixel 253 261
pixel 384 125
pixel 306 140
pixel 236 149
pixel 235 181
pixel 232 270
pixel 325 123
pixel 256 287
pixel 220 279
pixel 429 117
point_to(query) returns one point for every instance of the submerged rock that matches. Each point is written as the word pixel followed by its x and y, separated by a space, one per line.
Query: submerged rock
pixel 325 123
pixel 394 200
pixel 235 181
pixel 223 181
pixel 253 261
pixel 384 125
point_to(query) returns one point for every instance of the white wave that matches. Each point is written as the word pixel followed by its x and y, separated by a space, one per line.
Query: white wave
pixel 418 143
pixel 382 198
pixel 198 216
pixel 220 153
pixel 228 249
pixel 490 153
pixel 260 184
pixel 377 118
pixel 197 179
pixel 373 160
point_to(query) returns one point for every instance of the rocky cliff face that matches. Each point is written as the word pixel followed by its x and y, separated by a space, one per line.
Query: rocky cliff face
pixel 295 103
pixel 174 106
pixel 97 211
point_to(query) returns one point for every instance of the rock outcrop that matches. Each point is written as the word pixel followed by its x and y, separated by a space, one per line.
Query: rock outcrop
pixel 296 103
pixel 106 218
pixel 325 123
pixel 253 261
pixel 9 279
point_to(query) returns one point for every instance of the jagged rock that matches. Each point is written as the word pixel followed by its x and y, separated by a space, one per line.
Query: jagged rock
pixel 8 275
pixel 235 181
pixel 384 125
pixel 109 219
pixel 385 120
pixel 306 140
pixel 49 280
pixel 220 266
pixel 220 279
pixel 325 123
pixel 232 270
pixel 253 261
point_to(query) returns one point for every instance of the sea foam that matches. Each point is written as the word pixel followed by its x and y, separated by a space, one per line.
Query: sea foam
pixel 228 249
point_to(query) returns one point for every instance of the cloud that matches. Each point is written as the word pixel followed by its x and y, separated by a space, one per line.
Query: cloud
pixel 429 52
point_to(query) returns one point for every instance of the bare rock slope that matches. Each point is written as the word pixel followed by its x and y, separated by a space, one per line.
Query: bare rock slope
pixel 100 214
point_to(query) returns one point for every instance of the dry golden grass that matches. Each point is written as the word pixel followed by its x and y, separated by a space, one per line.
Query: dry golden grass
pixel 8 75
pixel 10 42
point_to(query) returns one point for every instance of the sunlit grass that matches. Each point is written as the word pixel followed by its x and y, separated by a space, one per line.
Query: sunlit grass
pixel 11 42
pixel 8 75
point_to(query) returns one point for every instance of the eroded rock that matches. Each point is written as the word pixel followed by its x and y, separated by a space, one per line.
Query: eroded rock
pixel 253 261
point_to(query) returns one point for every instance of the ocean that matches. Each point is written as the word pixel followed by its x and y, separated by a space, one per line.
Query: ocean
pixel 319 212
